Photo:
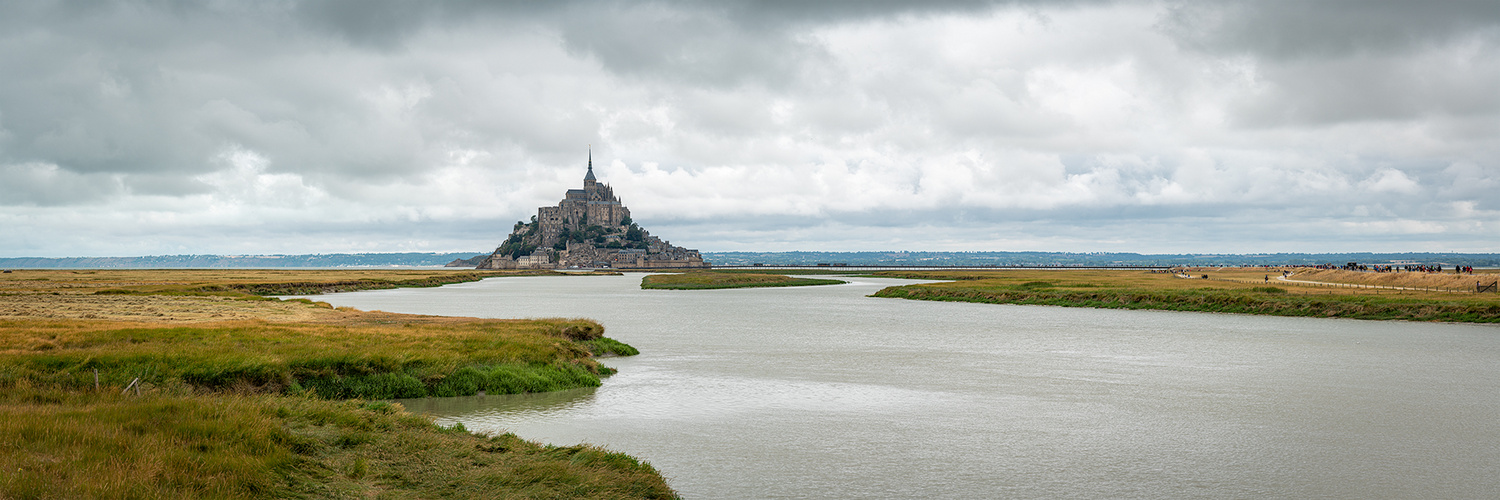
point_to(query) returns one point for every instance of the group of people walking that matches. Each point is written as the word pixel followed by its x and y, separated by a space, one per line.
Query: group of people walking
pixel 1410 268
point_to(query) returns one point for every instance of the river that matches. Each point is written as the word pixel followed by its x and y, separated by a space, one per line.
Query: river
pixel 822 392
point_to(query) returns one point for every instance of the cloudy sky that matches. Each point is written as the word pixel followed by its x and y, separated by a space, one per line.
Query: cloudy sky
pixel 140 128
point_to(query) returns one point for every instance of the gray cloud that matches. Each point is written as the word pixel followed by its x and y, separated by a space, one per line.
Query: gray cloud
pixel 1290 29
pixel 1341 61
pixel 48 185
pixel 331 126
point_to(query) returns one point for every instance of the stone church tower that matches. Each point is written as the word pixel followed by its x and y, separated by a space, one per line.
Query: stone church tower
pixel 590 227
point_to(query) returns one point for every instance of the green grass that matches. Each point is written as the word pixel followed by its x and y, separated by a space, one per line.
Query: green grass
pixel 706 280
pixel 1255 300
pixel 241 409
pixel 406 357
pixel 1230 290
pixel 835 271
pixel 85 444
pixel 605 346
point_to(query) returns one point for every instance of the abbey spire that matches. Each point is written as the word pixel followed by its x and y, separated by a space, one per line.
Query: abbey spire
pixel 588 178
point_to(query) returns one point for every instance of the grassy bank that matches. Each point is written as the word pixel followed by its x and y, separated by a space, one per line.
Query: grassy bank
pixel 379 357
pixel 249 282
pixel 235 395
pixel 1138 290
pixel 87 444
pixel 706 280
pixel 800 272
pixel 265 283
pixel 335 286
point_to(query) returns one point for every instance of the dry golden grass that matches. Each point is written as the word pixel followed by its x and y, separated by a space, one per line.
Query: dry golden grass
pixel 368 356
pixel 75 318
pixel 1415 280
pixel 93 279
pixel 212 360
pixel 107 445
pixel 1240 290
pixel 1085 278
pixel 187 295
pixel 1220 278
pixel 158 308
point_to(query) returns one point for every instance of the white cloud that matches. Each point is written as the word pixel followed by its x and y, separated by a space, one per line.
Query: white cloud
pixel 1391 181
pixel 1084 126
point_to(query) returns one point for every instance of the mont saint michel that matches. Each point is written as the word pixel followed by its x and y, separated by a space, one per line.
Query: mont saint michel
pixel 590 227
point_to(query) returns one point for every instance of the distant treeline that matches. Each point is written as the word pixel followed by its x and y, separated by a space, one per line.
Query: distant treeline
pixel 409 259
pixel 413 259
pixel 1087 259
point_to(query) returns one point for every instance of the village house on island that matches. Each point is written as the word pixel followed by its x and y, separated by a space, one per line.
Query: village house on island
pixel 589 228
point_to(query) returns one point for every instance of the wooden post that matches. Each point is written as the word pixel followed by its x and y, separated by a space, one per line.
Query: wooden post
pixel 132 384
pixel 96 379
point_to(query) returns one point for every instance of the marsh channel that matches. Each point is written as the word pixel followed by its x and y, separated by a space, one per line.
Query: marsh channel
pixel 823 392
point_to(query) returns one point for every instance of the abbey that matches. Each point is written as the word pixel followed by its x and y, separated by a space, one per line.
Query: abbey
pixel 588 228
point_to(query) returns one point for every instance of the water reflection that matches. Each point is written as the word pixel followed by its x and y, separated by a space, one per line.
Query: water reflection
pixel 497 410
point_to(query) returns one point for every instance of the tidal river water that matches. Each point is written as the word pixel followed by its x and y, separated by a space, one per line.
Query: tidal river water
pixel 822 392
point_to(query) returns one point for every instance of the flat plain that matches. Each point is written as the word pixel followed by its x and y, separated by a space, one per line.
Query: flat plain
pixel 707 280
pixel 191 384
pixel 1332 293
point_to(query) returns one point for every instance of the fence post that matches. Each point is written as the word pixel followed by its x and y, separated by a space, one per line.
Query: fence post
pixel 132 384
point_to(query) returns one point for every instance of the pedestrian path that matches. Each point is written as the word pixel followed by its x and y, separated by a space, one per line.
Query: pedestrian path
pixel 1286 279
